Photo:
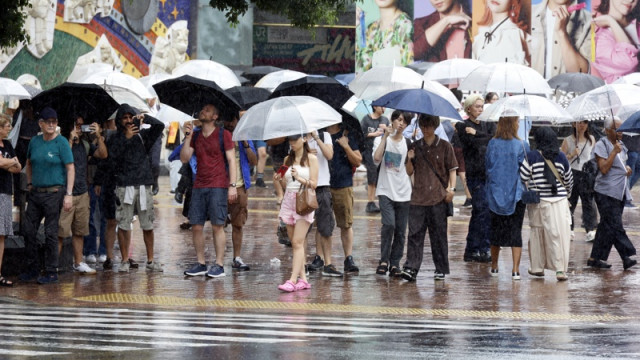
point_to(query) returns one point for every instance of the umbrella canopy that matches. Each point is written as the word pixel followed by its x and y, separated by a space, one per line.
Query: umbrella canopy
pixel 345 79
pixel 189 94
pixel 451 71
pixel 631 79
pixel 507 78
pixel 285 116
pixel 351 123
pixel 418 101
pixel 118 79
pixel 12 89
pixel 71 99
pixel 605 101
pixel 152 79
pixel 167 114
pixel 247 96
pixel 82 71
pixel 125 96
pixel 575 82
pixel 258 72
pixel 324 88
pixel 533 107
pixel 209 70
pixel 273 79
pixel 421 67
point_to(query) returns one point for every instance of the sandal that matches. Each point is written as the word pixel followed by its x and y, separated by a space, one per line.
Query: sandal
pixel 395 272
pixel 4 282
pixel 382 269
pixel 288 286
pixel 302 285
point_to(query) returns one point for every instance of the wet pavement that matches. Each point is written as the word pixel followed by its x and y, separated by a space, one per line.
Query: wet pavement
pixel 243 315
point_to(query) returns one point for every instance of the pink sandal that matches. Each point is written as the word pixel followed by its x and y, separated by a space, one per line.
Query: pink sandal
pixel 302 285
pixel 288 286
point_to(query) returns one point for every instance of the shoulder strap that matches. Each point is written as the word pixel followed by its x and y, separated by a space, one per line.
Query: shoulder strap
pixel 222 152
pixel 552 166
pixel 444 184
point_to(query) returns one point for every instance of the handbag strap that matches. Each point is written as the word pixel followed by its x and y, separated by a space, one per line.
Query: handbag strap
pixel 554 171
pixel 527 158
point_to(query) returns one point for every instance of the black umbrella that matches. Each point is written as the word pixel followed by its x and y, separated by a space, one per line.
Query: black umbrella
pixel 575 82
pixel 352 124
pixel 71 99
pixel 324 88
pixel 257 72
pixel 189 94
pixel 247 96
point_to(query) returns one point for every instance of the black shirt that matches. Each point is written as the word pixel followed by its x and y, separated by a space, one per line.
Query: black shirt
pixel 474 147
pixel 6 178
pixel 80 160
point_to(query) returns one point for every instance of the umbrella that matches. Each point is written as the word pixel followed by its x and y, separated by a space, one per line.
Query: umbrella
pixel 632 79
pixel 533 107
pixel 113 78
pixel 208 70
pixel 247 96
pixel 82 71
pixel 71 99
pixel 272 80
pixel 285 116
pixel 125 96
pixel 631 124
pixel 12 89
pixel 258 72
pixel 505 78
pixel 605 101
pixel 420 67
pixel 451 71
pixel 345 79
pixel 189 94
pixel 418 101
pixel 351 123
pixel 575 82
pixel 324 88
pixel 32 90
pixel 167 114
pixel 152 79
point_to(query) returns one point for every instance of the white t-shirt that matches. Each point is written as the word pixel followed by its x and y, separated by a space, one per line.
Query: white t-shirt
pixel 323 163
pixel 393 181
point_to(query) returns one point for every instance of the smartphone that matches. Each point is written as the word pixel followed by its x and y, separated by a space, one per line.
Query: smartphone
pixel 282 170
pixel 136 122
pixel 85 128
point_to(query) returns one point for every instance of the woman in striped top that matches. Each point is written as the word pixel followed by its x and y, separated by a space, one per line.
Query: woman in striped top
pixel 550 220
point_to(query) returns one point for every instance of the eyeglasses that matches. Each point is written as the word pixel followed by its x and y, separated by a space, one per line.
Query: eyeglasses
pixel 50 121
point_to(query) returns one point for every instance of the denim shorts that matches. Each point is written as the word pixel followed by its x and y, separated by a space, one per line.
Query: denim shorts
pixel 259 144
pixel 208 204
pixel 288 213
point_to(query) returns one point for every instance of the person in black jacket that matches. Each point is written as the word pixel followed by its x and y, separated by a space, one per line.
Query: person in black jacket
pixel 129 151
pixel 474 137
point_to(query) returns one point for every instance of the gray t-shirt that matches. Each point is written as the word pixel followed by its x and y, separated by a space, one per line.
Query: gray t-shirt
pixel 614 183
pixel 370 125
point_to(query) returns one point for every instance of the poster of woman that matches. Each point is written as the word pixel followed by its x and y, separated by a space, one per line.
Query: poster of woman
pixel 441 30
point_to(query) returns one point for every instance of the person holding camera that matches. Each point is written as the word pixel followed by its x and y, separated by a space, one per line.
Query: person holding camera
pixel 129 150
pixel 75 222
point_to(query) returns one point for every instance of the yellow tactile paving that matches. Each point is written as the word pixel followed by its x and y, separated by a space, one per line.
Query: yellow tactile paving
pixel 121 298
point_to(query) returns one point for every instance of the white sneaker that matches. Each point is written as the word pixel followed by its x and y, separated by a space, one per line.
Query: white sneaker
pixel 102 258
pixel 591 235
pixel 83 268
pixel 91 259
pixel 573 235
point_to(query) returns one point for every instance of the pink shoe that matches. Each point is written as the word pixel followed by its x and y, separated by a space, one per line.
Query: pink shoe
pixel 302 285
pixel 288 286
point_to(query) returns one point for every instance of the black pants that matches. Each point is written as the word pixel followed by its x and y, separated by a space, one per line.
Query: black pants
pixel 610 230
pixel 42 205
pixel 433 218
pixel 586 197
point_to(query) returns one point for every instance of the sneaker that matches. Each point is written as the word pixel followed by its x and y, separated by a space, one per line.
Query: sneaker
pixel 471 257
pixel 124 266
pixel 467 204
pixel 628 262
pixel 494 272
pixel 561 276
pixel 107 264
pixel 591 235
pixel 598 264
pixel 185 225
pixel 409 274
pixel 629 205
pixel 350 265
pixel 239 265
pixel 83 268
pixel 515 276
pixel 215 271
pixel 316 264
pixel 288 286
pixel 485 257
pixel 260 183
pixel 372 208
pixel 330 270
pixel 197 269
pixel 178 197
pixel 573 235
pixel 48 278
pixel 437 275
pixel 302 285
pixel 133 264
pixel 102 258
pixel 154 266
pixel 91 259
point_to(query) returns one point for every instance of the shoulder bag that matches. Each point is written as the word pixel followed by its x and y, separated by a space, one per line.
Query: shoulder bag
pixel 306 201
pixel 529 196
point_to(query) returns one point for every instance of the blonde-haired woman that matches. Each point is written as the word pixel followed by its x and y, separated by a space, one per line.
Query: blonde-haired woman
pixel 302 170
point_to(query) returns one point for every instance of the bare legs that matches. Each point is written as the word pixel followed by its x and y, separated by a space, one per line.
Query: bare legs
pixel 516 253
pixel 298 234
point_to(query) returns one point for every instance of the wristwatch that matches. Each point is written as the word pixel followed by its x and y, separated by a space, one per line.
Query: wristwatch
pixel 232 185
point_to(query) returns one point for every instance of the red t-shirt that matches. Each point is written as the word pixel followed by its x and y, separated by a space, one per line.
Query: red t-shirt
pixel 211 171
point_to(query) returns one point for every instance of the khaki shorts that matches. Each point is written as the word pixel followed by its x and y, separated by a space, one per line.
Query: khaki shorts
pixel 238 210
pixel 125 212
pixel 75 221
pixel 343 206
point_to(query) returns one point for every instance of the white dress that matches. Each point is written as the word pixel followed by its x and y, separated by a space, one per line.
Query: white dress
pixel 508 42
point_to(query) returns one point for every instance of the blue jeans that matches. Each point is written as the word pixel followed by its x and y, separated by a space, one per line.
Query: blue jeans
pixel 90 241
pixel 395 215
pixel 478 235
pixel 634 164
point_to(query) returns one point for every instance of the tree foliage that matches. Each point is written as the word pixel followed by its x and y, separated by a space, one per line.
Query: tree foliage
pixel 301 13
pixel 12 18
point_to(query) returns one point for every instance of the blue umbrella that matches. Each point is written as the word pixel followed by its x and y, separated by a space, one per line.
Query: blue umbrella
pixel 418 101
pixel 631 124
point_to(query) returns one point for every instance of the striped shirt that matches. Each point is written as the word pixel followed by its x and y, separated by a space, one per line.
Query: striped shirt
pixel 533 175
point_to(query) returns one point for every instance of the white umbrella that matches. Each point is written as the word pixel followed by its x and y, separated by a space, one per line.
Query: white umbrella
pixel 152 79
pixel 533 107
pixel 208 70
pixel 382 80
pixel 11 89
pixel 125 96
pixel 273 79
pixel 114 78
pixel 605 101
pixel 632 79
pixel 82 71
pixel 505 78
pixel 451 71
pixel 285 116
pixel 168 114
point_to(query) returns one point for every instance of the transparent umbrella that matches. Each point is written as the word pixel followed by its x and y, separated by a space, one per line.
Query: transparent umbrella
pixel 505 78
pixel 604 102
pixel 208 70
pixel 451 71
pixel 273 79
pixel 114 78
pixel 533 107
pixel 11 89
